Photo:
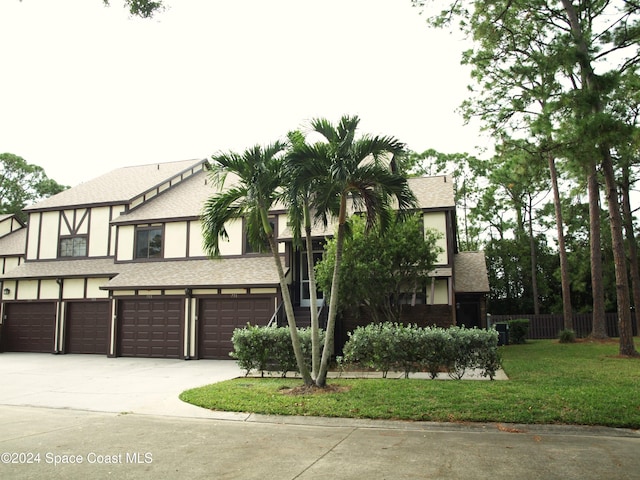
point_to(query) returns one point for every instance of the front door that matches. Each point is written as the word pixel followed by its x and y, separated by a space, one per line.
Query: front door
pixel 305 292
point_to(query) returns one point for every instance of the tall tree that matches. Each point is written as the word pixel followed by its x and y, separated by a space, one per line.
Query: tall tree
pixel 513 163
pixel 516 86
pixel 625 105
pixel 582 25
pixel 22 183
pixel 342 169
pixel 250 197
pixel 572 41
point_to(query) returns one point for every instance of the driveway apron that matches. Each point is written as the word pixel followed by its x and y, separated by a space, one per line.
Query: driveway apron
pixel 97 383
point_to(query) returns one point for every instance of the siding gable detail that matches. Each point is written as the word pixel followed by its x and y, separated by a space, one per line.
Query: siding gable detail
pixel 75 221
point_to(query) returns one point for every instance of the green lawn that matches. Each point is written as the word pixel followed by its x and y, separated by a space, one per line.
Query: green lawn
pixel 582 383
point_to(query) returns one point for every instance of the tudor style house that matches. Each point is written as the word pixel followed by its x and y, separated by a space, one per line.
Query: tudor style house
pixel 116 266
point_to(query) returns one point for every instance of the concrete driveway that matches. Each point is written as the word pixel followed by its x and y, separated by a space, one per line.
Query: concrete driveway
pixel 96 383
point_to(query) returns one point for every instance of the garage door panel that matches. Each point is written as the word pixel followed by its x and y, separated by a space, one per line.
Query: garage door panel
pixel 29 327
pixel 150 328
pixel 87 327
pixel 219 317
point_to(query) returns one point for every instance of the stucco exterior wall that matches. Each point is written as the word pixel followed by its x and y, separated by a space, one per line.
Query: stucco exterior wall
pixel 234 245
pixel 93 288
pixel 113 231
pixel 32 236
pixel 125 242
pixel 438 292
pixel 9 263
pixel 50 229
pixel 9 225
pixel 73 288
pixel 175 240
pixel 27 290
pixel 438 221
pixel 195 239
pixel 99 232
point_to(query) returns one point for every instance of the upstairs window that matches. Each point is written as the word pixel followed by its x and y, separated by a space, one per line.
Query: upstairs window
pixel 73 246
pixel 148 243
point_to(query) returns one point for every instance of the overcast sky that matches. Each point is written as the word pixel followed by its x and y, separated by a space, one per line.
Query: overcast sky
pixel 85 89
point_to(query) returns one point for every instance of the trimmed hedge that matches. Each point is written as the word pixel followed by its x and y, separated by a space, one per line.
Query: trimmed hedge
pixel 269 348
pixel 518 330
pixel 386 346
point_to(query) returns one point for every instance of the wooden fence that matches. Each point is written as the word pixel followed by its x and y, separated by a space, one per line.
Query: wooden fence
pixel 549 326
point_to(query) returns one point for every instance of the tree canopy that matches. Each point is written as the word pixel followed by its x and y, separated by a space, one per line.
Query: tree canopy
pixel 383 268
pixel 141 8
pixel 22 184
pixel 548 74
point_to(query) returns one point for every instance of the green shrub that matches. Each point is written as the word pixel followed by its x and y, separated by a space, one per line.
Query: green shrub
pixel 373 346
pixel 251 348
pixel 269 348
pixel 358 350
pixel 518 330
pixel 489 359
pixel 567 336
pixel 436 346
pixel 473 348
pixel 408 348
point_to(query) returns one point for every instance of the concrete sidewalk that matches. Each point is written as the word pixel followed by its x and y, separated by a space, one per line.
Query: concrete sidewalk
pixel 39 443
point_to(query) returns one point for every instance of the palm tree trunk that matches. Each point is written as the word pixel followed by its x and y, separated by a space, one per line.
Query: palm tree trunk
pixel 288 305
pixel 321 379
pixel 313 296
pixel 567 310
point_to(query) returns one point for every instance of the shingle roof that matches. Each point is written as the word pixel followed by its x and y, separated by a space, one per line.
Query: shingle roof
pixel 470 273
pixel 433 192
pixel 116 187
pixel 430 192
pixel 14 243
pixel 101 267
pixel 224 272
pixel 184 200
pixel 257 271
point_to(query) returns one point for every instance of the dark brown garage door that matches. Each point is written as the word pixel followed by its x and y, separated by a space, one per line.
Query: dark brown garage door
pixel 29 327
pixel 87 327
pixel 150 328
pixel 218 317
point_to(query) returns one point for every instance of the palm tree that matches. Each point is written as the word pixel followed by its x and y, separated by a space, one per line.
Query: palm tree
pixel 259 179
pixel 298 200
pixel 340 169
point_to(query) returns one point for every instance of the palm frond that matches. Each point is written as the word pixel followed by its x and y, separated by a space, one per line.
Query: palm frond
pixel 218 210
pixel 325 128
